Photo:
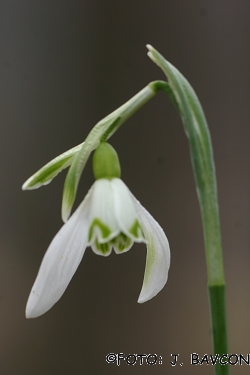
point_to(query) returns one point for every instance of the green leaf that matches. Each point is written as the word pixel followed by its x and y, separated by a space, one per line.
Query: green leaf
pixel 197 131
pixel 50 170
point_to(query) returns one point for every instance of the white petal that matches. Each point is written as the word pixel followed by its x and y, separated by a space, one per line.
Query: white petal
pixel 60 262
pixel 126 214
pixel 102 212
pixel 158 255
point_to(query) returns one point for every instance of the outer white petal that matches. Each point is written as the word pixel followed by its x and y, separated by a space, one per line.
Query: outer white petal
pixel 125 211
pixel 158 255
pixel 60 262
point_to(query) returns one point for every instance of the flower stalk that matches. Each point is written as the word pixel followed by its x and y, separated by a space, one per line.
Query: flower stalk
pixel 196 128
pixel 100 132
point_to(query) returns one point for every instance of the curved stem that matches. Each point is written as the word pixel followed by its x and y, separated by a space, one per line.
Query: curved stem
pixel 196 128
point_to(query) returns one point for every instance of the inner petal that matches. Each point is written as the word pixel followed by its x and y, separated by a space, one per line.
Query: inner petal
pixel 102 219
pixel 100 230
pixel 137 232
pixel 122 243
pixel 101 248
pixel 125 212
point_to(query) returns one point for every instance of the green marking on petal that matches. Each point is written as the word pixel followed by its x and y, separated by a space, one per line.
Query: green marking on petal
pixel 121 242
pixel 103 247
pixel 136 229
pixel 150 259
pixel 105 231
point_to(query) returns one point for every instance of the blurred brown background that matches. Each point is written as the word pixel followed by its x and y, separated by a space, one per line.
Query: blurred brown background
pixel 63 66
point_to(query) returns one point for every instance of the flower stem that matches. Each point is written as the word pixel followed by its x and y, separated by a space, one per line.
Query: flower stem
pixel 186 102
pixel 102 131
pixel 219 327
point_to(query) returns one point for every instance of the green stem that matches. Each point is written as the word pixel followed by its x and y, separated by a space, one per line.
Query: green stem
pixel 185 100
pixel 100 132
pixel 219 327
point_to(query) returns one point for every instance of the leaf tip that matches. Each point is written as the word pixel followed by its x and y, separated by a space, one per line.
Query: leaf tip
pixel 67 203
pixel 65 211
pixel 30 185
pixel 149 47
pixel 25 186
pixel 150 53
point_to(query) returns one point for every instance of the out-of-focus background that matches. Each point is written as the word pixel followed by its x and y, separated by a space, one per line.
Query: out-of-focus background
pixel 64 65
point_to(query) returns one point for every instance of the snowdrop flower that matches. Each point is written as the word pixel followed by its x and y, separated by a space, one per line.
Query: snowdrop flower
pixel 109 217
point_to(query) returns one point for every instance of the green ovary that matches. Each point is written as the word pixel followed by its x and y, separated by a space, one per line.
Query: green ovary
pixel 106 162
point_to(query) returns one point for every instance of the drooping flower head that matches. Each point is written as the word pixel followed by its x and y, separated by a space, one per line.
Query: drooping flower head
pixel 109 217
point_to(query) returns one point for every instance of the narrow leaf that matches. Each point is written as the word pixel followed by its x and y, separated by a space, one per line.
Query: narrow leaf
pixel 197 131
pixel 50 170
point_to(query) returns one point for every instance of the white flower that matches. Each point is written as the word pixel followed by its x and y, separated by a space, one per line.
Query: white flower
pixel 109 216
